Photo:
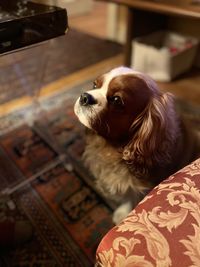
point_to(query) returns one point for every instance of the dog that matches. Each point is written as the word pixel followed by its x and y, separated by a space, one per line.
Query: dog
pixel 136 137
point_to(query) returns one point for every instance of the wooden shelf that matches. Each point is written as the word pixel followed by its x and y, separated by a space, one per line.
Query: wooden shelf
pixel 182 8
pixel 147 16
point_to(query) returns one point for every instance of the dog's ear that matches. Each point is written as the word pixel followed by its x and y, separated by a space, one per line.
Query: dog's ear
pixel 153 132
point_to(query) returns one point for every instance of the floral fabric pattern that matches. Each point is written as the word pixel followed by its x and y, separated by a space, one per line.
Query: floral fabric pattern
pixel 163 230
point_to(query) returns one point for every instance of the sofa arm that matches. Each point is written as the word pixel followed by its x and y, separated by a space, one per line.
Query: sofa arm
pixel 163 230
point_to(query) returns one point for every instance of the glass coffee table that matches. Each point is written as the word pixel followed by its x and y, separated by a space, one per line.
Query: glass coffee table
pixel 27 28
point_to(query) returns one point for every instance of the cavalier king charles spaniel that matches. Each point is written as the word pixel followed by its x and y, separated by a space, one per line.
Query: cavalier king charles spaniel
pixel 136 137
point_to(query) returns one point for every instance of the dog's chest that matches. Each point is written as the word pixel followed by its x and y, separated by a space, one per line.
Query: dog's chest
pixel 113 177
pixel 101 157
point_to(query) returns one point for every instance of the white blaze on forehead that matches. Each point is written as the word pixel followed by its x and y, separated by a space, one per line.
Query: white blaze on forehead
pixel 102 92
pixel 114 73
pixel 125 70
pixel 121 71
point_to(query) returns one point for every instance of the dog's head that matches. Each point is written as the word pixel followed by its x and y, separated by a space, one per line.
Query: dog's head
pixel 126 107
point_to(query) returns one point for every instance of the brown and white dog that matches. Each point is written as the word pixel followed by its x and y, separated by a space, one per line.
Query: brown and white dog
pixel 137 138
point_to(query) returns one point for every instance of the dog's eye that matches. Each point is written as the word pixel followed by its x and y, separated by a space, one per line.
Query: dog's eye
pixel 116 101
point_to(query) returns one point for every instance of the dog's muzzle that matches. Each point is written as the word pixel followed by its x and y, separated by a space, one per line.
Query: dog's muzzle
pixel 87 99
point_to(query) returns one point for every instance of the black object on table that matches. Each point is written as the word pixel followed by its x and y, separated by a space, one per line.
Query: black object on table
pixel 23 23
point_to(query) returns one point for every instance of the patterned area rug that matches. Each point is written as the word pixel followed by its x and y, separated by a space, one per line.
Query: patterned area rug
pixel 44 180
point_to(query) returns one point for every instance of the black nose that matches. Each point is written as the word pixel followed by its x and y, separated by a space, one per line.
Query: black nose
pixel 87 99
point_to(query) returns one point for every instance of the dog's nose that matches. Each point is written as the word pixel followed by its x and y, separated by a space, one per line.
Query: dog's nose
pixel 87 99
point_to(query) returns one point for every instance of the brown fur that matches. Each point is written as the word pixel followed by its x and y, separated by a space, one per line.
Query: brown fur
pixel 132 148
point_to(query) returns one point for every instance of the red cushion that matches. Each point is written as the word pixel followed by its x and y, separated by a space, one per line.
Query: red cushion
pixel 163 230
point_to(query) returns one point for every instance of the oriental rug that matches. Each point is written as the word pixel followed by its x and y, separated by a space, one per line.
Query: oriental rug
pixel 44 181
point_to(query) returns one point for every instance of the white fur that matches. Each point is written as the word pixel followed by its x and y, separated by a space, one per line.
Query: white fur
pixel 121 212
pixel 82 116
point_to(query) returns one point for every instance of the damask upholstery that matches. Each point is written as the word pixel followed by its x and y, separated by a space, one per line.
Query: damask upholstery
pixel 163 230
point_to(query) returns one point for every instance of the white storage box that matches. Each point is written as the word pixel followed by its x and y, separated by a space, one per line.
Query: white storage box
pixel 163 55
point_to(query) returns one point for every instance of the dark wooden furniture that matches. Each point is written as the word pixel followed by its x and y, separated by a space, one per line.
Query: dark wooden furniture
pixel 146 16
pixel 23 23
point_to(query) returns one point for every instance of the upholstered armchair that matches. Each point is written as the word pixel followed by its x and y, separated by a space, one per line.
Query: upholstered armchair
pixel 163 230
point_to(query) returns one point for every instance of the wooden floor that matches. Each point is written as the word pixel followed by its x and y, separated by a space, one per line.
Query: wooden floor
pixel 65 83
pixel 94 23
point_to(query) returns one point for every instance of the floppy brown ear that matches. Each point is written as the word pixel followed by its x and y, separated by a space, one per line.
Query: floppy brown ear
pixel 155 131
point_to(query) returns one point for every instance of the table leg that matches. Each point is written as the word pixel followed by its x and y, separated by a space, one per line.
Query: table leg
pixel 129 37
pixel 139 23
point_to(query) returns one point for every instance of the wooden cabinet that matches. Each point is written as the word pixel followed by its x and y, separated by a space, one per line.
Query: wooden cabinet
pixel 183 16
